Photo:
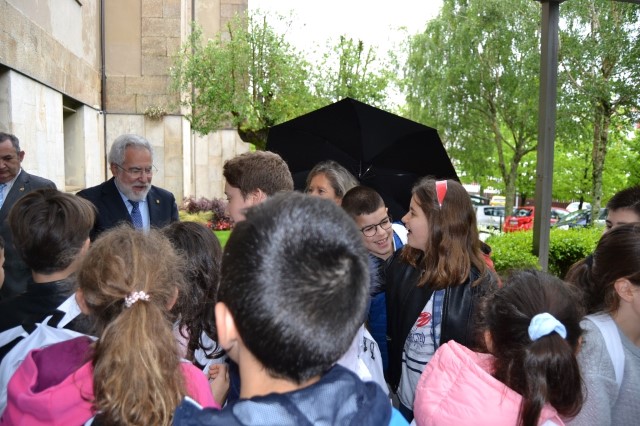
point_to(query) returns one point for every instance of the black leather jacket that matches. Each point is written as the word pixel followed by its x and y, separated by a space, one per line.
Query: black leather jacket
pixel 405 302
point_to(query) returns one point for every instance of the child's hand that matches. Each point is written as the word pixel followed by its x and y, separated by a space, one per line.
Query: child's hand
pixel 219 382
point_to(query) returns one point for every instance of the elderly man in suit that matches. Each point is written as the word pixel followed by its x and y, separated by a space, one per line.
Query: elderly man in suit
pixel 129 196
pixel 14 183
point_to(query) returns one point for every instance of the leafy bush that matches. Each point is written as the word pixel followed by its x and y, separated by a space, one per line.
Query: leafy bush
pixel 204 210
pixel 514 250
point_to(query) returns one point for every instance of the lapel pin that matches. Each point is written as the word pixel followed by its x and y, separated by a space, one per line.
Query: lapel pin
pixel 22 188
pixel 157 201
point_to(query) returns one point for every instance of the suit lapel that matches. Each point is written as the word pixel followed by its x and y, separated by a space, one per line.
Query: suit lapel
pixel 154 203
pixel 20 187
pixel 112 203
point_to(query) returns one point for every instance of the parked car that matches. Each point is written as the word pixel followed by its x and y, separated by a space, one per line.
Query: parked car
pixel 489 218
pixel 581 219
pixel 497 200
pixel 572 207
pixel 479 200
pixel 522 218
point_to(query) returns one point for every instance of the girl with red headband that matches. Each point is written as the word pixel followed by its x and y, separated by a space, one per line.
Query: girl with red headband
pixel 433 284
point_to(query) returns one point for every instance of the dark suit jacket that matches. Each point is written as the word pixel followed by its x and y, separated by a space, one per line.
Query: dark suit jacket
pixel 112 210
pixel 16 272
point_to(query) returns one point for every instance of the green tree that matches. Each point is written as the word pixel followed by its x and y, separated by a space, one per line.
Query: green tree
pixel 251 78
pixel 599 55
pixel 473 74
pixel 349 69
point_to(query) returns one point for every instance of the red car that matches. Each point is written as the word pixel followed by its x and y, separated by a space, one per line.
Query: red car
pixel 522 218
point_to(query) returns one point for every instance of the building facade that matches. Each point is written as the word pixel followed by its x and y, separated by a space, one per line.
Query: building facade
pixel 75 74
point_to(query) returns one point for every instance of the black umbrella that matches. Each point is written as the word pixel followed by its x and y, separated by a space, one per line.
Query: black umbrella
pixel 383 150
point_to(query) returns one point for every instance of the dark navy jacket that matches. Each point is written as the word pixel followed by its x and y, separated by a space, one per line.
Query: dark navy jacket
pixel 112 210
pixel 338 398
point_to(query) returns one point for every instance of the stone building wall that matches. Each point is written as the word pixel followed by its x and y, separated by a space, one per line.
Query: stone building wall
pixel 51 93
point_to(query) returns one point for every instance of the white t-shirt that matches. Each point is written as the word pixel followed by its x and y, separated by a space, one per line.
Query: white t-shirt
pixel 418 351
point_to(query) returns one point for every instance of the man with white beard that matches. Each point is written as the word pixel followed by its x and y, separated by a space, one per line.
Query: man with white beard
pixel 129 196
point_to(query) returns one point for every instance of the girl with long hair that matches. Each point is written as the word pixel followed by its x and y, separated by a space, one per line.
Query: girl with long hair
pixel 433 284
pixel 132 374
pixel 610 355
pixel 529 374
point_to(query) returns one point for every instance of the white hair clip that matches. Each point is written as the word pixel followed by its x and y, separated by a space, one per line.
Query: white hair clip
pixel 134 296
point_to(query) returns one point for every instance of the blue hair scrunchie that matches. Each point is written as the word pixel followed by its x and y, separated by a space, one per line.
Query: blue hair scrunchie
pixel 545 324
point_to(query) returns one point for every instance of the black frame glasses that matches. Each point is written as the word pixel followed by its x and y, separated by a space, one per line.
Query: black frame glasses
pixel 137 172
pixel 370 230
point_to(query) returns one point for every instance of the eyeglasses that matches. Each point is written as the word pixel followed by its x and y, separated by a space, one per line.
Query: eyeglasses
pixel 370 231
pixel 137 172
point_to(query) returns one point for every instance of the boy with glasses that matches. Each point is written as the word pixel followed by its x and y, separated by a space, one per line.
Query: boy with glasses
pixel 382 238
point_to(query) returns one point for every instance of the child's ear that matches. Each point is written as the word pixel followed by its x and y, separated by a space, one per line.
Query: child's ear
pixel 225 326
pixel 624 288
pixel 488 341
pixel 258 196
pixel 173 299
pixel 81 302
pixel 85 247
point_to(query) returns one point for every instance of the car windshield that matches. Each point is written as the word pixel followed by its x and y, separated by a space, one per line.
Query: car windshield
pixel 574 215
pixel 523 212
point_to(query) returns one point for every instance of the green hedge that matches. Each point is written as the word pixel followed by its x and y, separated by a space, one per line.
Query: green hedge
pixel 204 218
pixel 514 250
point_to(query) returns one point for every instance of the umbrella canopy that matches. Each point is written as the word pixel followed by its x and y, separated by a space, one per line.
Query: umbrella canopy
pixel 383 150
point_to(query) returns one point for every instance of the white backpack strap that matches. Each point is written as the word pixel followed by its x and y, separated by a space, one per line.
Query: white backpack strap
pixel 71 310
pixel 611 336
pixel 11 334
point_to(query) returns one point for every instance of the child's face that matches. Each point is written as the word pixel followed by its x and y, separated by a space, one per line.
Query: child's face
pixel 1 267
pixel 236 203
pixel 620 217
pixel 417 227
pixel 379 244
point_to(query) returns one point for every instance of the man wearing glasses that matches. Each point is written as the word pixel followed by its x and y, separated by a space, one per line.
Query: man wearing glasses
pixel 129 196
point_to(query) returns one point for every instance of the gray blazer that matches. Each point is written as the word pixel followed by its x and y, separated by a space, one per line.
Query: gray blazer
pixel 16 271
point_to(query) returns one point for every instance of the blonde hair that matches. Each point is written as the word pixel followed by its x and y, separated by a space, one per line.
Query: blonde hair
pixel 136 377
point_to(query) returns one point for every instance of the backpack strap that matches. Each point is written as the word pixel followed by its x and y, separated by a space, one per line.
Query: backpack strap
pixel 70 310
pixel 611 336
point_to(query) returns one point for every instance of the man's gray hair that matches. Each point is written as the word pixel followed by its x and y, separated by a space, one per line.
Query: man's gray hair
pixel 14 140
pixel 122 142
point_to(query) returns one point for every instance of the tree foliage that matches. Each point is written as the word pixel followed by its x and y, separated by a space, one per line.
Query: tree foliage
pixel 473 74
pixel 251 78
pixel 350 69
pixel 600 77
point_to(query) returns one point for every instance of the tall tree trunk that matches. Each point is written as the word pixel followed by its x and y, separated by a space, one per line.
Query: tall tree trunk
pixel 602 122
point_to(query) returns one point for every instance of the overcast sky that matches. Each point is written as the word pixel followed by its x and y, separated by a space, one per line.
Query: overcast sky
pixel 376 22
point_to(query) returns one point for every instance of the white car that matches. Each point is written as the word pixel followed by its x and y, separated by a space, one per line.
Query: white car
pixel 572 207
pixel 490 218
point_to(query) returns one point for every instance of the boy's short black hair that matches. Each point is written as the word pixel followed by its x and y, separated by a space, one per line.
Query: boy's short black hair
pixel 49 228
pixel 628 198
pixel 295 279
pixel 361 200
